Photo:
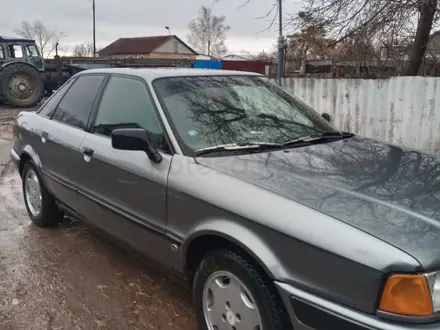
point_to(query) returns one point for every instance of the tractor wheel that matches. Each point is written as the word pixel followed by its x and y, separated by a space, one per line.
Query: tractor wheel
pixel 21 85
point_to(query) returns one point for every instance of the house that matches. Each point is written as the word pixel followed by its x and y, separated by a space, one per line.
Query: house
pixel 402 50
pixel 156 47
pixel 233 57
pixel 394 52
pixel 204 57
pixel 433 47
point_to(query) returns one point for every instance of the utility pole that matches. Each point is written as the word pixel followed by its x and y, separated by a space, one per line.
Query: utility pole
pixel 209 47
pixel 94 28
pixel 281 44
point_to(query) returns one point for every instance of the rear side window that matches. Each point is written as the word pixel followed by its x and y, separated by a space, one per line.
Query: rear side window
pixel 49 107
pixel 74 109
pixel 126 103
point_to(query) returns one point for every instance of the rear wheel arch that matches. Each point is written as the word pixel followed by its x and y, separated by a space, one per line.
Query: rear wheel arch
pixel 24 159
pixel 28 154
pixel 241 240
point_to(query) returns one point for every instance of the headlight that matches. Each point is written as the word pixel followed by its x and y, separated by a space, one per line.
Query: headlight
pixel 415 295
pixel 434 288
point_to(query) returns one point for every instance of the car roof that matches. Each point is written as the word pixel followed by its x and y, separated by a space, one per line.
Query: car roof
pixel 15 39
pixel 149 74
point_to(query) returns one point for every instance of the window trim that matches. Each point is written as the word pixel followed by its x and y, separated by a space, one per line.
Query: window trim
pixel 52 96
pixel 94 113
pixel 97 96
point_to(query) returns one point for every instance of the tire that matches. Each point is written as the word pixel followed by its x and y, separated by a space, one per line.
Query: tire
pixel 49 214
pixel 14 77
pixel 263 294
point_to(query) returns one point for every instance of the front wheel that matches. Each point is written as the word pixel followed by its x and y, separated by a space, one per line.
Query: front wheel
pixel 230 292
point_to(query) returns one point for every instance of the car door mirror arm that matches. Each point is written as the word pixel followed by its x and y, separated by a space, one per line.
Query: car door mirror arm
pixel 135 139
pixel 153 154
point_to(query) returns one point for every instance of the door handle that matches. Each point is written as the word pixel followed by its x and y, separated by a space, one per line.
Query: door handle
pixel 88 152
pixel 44 136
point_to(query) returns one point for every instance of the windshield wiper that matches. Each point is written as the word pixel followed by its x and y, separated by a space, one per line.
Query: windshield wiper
pixel 323 137
pixel 238 146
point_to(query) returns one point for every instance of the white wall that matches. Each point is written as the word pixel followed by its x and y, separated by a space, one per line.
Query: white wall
pixel 168 47
pixel 400 110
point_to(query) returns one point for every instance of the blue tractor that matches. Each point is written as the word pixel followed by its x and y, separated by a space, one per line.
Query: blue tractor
pixel 21 72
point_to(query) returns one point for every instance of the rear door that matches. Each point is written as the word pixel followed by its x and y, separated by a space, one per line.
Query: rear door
pixel 33 133
pixel 61 138
pixel 126 191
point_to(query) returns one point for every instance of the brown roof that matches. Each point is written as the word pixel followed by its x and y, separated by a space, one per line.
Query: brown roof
pixel 139 45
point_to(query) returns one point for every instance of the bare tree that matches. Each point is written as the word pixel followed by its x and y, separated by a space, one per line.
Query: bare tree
pixel 63 50
pixel 309 43
pixel 46 39
pixel 261 56
pixel 265 56
pixel 385 21
pixel 83 50
pixel 208 33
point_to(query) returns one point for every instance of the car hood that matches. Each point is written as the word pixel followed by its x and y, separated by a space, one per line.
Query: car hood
pixel 387 191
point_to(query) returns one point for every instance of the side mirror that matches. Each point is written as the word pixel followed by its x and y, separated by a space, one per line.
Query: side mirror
pixel 326 116
pixel 135 139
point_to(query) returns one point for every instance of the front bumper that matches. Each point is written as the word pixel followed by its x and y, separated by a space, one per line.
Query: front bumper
pixel 308 312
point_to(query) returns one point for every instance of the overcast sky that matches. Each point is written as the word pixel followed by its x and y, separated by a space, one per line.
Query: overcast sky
pixel 131 18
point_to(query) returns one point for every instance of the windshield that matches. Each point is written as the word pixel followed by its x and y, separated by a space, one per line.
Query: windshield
pixel 206 111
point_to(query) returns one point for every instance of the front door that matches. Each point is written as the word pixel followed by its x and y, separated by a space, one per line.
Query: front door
pixel 62 136
pixel 126 191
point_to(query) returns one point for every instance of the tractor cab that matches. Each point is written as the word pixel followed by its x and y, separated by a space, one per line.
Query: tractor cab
pixel 16 49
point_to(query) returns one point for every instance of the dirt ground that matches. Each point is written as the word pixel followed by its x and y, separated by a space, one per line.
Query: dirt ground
pixel 7 116
pixel 70 277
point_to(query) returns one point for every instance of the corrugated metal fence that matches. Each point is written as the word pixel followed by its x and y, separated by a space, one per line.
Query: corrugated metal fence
pixel 400 110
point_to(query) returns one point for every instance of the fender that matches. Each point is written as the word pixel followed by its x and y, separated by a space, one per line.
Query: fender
pixel 29 152
pixel 4 65
pixel 243 237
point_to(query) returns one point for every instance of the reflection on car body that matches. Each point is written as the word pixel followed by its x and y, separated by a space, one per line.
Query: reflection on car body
pixel 297 227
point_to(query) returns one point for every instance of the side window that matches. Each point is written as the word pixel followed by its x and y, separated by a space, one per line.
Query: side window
pixel 15 51
pixel 126 104
pixel 2 53
pixel 49 107
pixel 32 51
pixel 75 107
